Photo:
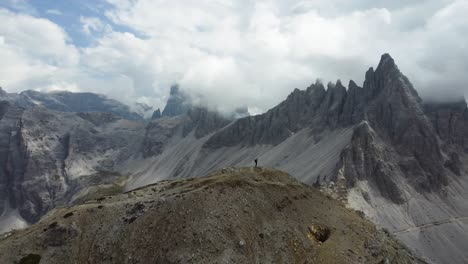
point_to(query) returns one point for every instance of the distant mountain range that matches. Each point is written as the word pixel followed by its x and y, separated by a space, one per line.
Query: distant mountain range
pixel 70 102
pixel 378 148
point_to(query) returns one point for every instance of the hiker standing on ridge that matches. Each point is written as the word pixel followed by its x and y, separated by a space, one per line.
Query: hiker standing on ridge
pixel 256 162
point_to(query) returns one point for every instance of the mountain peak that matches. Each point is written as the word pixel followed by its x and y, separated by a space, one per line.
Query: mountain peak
pixel 352 85
pixel 339 84
pixel 386 57
pixel 387 63
pixel 177 104
pixel 175 89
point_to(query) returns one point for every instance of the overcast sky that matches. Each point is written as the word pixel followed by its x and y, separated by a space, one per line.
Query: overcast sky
pixel 230 52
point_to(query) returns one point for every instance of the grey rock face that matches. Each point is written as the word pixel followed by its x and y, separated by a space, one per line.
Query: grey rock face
pixel 450 121
pixel 367 158
pixel 158 133
pixel 301 109
pixel 388 102
pixel 75 102
pixel 332 107
pixel 156 114
pixel 43 151
pixel 3 93
pixel 12 155
pixel 177 104
pixel 353 109
pixel 203 122
pixel 396 112
pixel 199 121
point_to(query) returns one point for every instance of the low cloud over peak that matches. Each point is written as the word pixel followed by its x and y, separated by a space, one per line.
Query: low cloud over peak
pixel 230 53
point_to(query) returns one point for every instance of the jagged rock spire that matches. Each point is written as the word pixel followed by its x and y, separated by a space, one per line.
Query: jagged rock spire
pixel 156 114
pixel 177 104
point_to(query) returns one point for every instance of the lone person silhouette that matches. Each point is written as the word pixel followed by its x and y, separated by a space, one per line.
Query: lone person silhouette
pixel 256 162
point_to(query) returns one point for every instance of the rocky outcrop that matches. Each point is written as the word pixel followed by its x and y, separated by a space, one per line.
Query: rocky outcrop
pixel 177 104
pixel 450 121
pixel 156 114
pixel 234 215
pixel 368 158
pixel 396 112
pixel 43 151
pixel 12 156
pixel 197 121
pixel 354 106
pixel 3 93
pixel 203 122
pixel 158 133
pixel 298 111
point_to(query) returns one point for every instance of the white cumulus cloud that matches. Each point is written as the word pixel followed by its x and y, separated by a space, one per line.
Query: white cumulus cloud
pixel 238 53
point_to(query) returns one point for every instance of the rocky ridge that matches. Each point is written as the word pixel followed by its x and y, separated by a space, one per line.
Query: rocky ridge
pixel 231 216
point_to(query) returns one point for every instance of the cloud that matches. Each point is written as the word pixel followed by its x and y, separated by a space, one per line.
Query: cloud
pixel 35 52
pixel 91 25
pixel 38 54
pixel 54 12
pixel 238 53
pixel 21 6
pixel 254 53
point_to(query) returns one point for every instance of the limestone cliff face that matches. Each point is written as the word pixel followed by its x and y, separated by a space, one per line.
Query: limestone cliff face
pixel 388 103
pixel 396 113
pixel 12 155
pixel 177 104
pixel 312 107
pixel 43 154
pixel 156 114
pixel 368 158
pixel 203 122
pixel 450 121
